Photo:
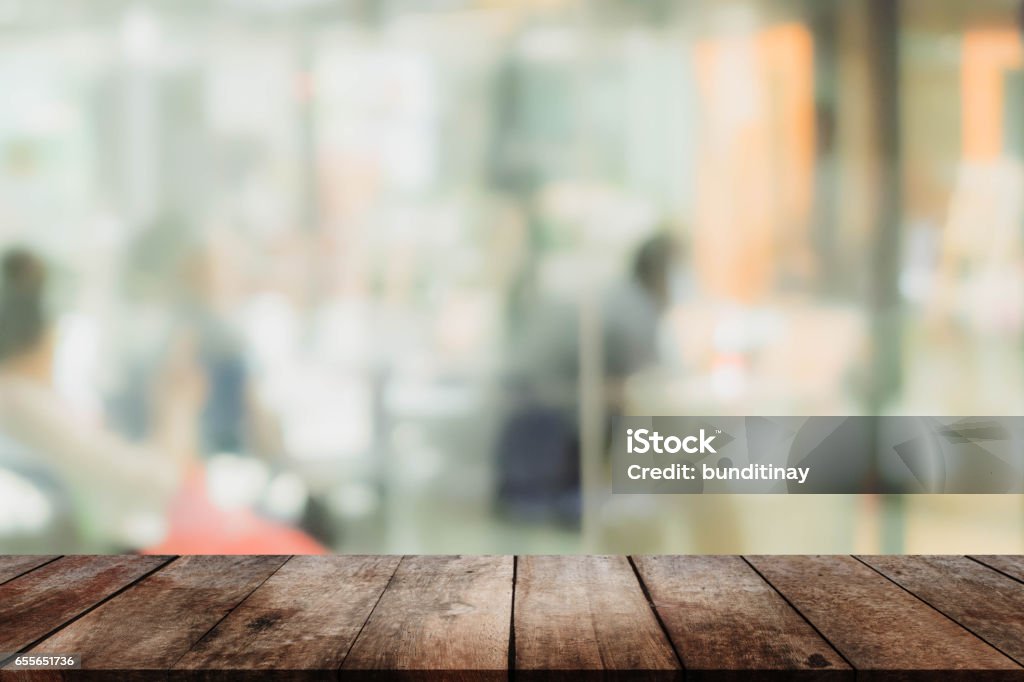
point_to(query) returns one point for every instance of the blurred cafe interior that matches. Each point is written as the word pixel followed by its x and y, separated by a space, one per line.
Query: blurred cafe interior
pixel 372 275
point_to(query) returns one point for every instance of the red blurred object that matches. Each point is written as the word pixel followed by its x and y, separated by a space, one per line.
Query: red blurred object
pixel 197 526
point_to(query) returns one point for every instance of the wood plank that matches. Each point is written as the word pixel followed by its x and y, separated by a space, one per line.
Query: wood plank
pixel 450 613
pixel 982 600
pixel 721 615
pixel 873 623
pixel 1012 566
pixel 14 565
pixel 158 620
pixel 37 603
pixel 305 617
pixel 586 613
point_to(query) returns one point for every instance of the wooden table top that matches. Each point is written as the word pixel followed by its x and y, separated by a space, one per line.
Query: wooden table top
pixel 495 617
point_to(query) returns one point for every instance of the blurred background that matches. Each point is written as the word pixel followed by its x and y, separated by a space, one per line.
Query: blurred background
pixel 373 276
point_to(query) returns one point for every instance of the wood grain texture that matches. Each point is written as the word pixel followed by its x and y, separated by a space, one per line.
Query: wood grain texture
pixel 14 565
pixel 153 624
pixel 580 613
pixel 1012 566
pixel 305 617
pixel 450 617
pixel 38 602
pixel 982 600
pixel 721 615
pixel 873 623
pixel 449 613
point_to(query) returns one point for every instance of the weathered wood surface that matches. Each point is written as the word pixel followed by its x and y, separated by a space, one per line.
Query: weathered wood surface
pixel 35 604
pixel 440 613
pixel 873 623
pixel 13 566
pixel 1012 566
pixel 579 613
pixel 153 625
pixel 532 617
pixel 957 586
pixel 305 617
pixel 722 615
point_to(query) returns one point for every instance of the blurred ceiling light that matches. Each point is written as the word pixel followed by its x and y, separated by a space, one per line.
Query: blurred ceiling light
pixel 140 35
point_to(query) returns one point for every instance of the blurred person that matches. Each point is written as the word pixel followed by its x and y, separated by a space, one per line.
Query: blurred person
pixel 538 447
pixel 116 495
pixel 112 494
pixel 191 285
